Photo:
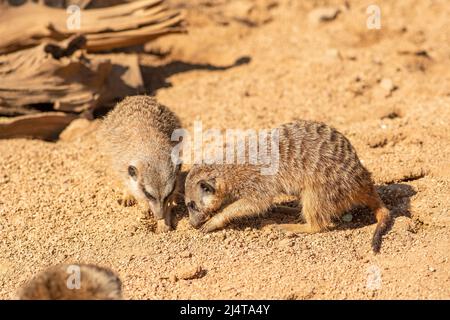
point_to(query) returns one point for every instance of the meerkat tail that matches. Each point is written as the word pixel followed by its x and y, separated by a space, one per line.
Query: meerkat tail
pixel 383 221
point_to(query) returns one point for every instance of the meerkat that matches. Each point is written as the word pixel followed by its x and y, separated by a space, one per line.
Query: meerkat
pixel 317 165
pixel 136 136
pixel 73 282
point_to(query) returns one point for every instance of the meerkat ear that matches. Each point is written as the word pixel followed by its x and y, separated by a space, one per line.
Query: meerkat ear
pixel 132 171
pixel 208 186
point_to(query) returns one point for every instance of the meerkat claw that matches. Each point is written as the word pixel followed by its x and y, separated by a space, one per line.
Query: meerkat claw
pixel 127 200
pixel 208 227
pixel 162 227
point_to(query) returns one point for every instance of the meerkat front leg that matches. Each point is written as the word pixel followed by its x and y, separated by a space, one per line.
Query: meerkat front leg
pixel 316 212
pixel 238 209
pixel 165 224
pixel 127 199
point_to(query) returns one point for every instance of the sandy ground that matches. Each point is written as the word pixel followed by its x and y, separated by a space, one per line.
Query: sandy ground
pixel 256 66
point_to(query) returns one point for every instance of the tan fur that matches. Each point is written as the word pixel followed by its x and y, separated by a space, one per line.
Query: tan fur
pixel 318 165
pixel 138 133
pixel 96 283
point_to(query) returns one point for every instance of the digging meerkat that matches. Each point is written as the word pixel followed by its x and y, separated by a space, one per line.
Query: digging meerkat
pixel 73 282
pixel 136 136
pixel 317 164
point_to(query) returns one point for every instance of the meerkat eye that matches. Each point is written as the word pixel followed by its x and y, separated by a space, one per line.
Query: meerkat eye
pixel 132 171
pixel 206 187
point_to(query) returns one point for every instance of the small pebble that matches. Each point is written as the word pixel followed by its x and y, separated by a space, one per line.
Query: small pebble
pixel 333 53
pixel 324 14
pixel 185 254
pixel 387 85
pixel 189 273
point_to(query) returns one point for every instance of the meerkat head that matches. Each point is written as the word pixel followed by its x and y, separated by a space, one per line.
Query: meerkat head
pixel 154 182
pixel 204 196
pixel 73 282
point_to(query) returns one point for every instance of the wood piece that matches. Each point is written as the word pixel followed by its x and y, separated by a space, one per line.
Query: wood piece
pixel 45 125
pixel 33 76
pixel 65 79
pixel 108 28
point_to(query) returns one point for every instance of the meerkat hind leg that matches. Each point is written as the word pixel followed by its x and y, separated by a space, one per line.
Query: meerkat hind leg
pixel 315 212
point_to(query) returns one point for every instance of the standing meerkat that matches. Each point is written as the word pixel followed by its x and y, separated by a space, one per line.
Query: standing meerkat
pixel 73 282
pixel 136 136
pixel 317 164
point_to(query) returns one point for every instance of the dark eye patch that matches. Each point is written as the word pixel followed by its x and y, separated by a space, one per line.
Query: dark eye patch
pixel 171 191
pixel 148 195
pixel 206 187
pixel 132 171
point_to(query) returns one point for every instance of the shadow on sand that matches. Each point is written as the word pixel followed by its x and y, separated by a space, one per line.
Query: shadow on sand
pixel 157 77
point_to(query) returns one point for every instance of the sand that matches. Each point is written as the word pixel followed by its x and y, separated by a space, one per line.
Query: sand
pixel 257 66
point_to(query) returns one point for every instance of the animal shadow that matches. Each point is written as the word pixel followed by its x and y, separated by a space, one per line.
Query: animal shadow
pixel 180 210
pixel 396 197
pixel 156 77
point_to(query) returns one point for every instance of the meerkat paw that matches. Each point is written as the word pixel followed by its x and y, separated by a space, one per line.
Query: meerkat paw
pixel 162 227
pixel 295 228
pixel 211 226
pixel 127 200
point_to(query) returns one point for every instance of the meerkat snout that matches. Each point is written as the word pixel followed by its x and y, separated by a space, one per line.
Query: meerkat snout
pixel 154 185
pixel 196 217
pixel 203 200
